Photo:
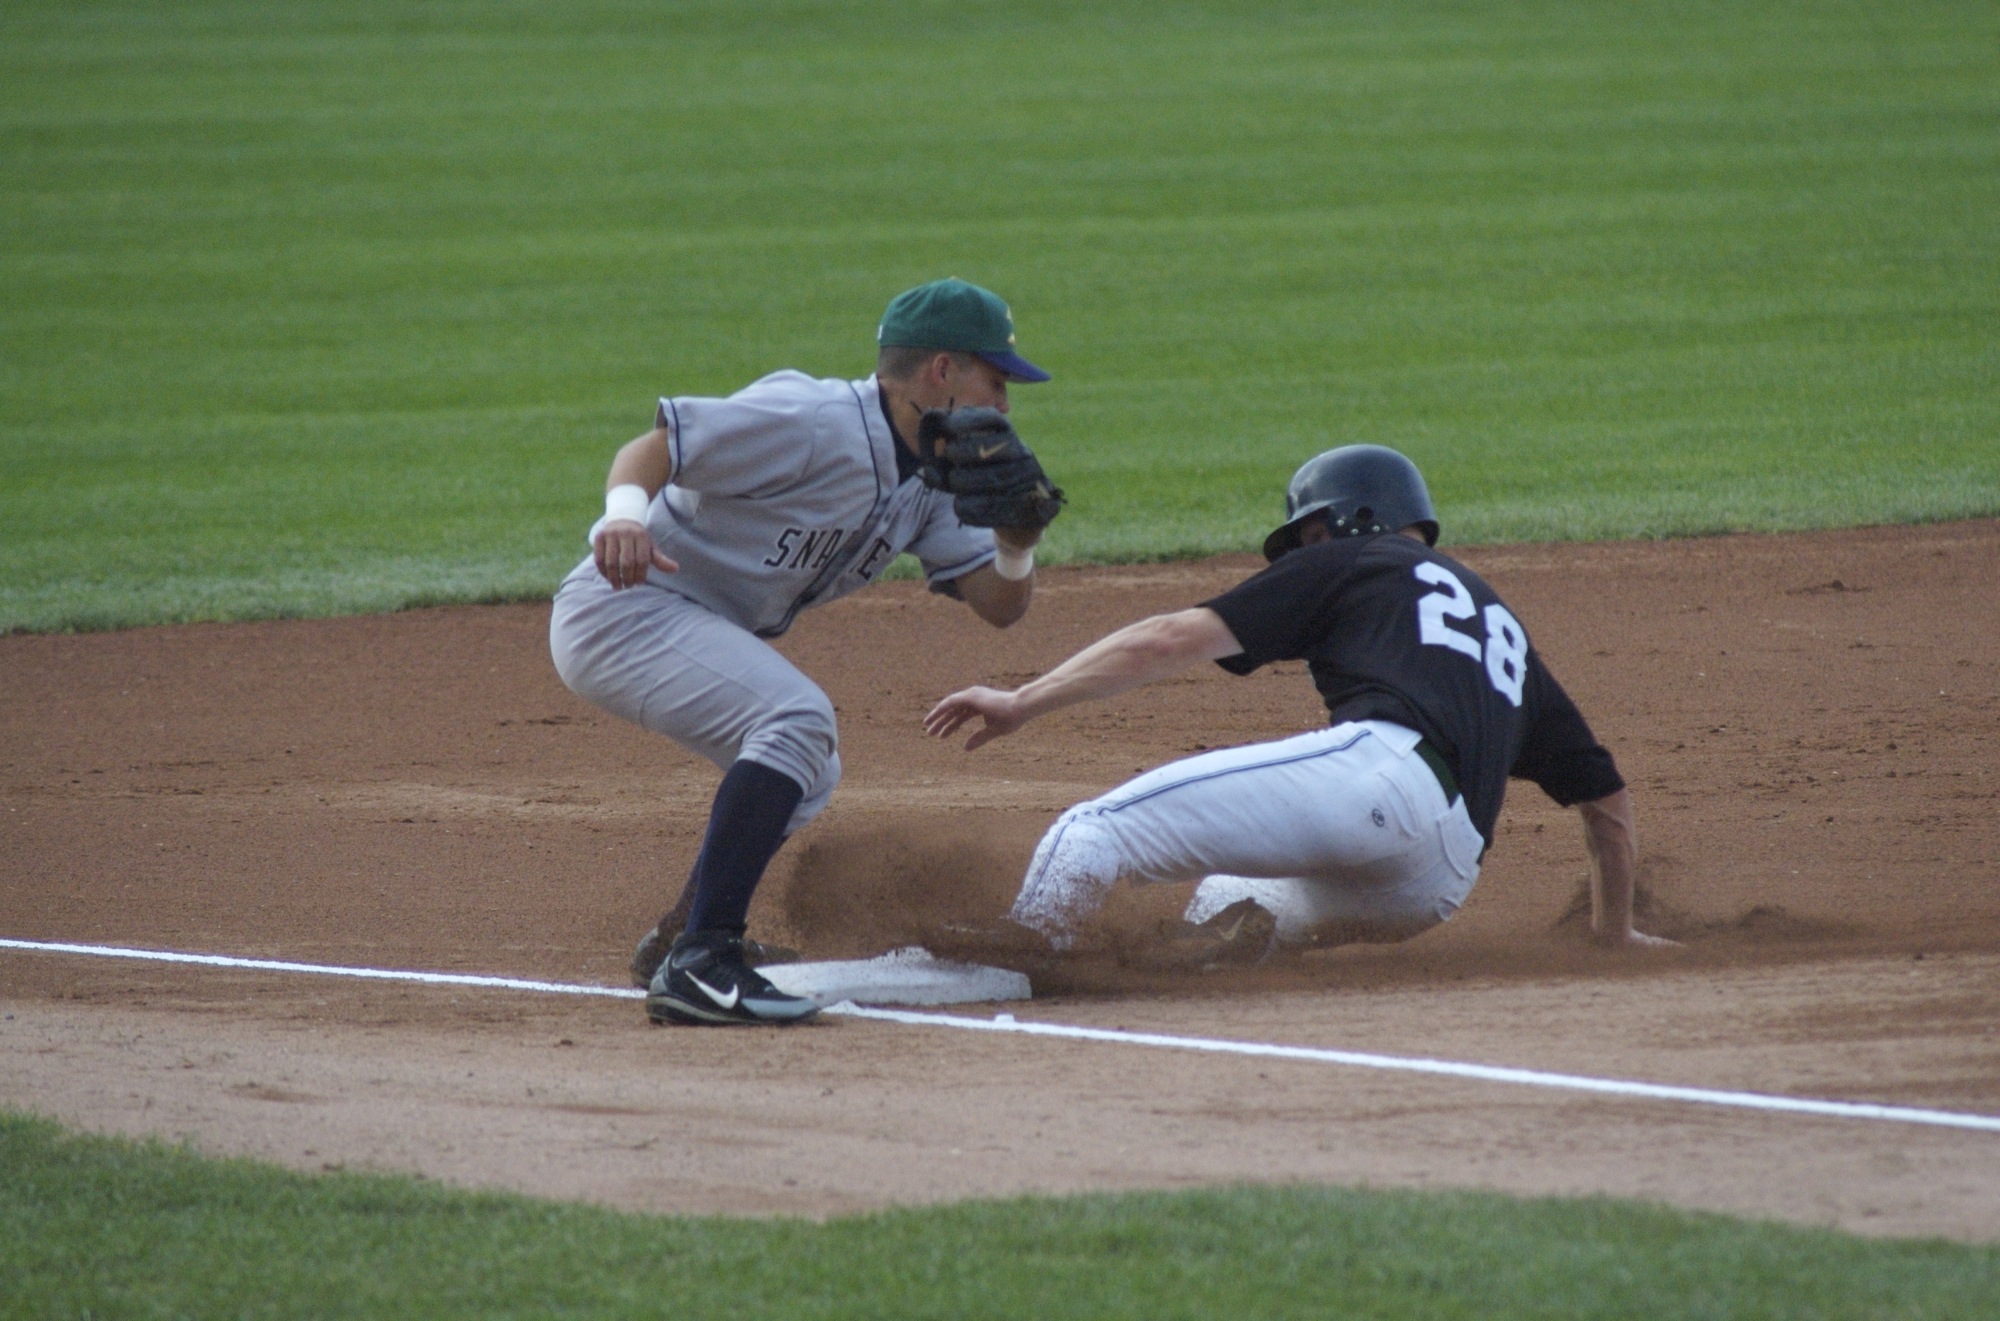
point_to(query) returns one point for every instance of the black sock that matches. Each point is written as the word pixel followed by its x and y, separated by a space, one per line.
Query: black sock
pixel 676 918
pixel 745 827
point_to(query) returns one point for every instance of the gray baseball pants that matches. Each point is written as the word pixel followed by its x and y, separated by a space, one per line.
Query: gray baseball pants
pixel 660 660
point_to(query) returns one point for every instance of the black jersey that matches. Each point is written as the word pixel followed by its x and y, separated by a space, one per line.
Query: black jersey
pixel 1392 630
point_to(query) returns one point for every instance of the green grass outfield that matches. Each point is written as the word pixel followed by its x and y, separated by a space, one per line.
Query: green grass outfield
pixel 103 1227
pixel 344 305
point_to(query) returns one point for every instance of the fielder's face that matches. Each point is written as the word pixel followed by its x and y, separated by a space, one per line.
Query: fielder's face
pixel 965 382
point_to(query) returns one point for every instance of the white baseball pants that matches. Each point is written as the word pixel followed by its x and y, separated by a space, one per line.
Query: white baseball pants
pixel 1342 833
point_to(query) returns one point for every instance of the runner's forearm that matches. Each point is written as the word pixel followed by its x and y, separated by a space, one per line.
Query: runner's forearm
pixel 1611 837
pixel 1134 656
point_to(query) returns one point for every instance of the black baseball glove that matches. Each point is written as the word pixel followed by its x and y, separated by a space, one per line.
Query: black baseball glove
pixel 995 480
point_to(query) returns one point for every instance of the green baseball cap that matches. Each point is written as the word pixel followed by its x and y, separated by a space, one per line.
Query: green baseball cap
pixel 959 318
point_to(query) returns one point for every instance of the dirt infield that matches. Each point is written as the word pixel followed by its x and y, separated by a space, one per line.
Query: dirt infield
pixel 1808 724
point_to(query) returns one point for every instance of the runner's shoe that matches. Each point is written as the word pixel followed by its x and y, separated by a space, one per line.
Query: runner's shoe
pixel 652 952
pixel 1243 933
pixel 705 980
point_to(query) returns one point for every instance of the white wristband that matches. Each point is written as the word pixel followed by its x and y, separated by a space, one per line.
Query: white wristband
pixel 627 502
pixel 1011 564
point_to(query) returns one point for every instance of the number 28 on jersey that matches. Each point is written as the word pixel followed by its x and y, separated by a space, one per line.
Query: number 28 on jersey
pixel 1504 650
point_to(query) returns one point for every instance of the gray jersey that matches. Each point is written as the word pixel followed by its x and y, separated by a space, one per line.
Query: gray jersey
pixel 785 495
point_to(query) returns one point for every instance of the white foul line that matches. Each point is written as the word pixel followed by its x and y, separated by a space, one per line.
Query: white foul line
pixel 329 969
pixel 1008 1023
pixel 1449 1068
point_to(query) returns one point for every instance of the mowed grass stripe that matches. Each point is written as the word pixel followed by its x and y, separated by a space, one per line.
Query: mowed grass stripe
pixel 101 1226
pixel 344 307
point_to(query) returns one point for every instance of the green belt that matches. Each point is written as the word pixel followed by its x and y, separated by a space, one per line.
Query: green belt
pixel 1440 768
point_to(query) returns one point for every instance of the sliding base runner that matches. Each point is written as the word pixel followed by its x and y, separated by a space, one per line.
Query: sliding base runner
pixel 1370 829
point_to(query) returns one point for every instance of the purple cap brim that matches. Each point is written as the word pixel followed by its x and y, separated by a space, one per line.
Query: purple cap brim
pixel 1017 367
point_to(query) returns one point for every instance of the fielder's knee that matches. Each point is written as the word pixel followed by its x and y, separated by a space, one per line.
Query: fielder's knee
pixel 802 741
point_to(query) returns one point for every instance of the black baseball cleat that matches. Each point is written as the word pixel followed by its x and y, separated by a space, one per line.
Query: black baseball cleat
pixel 652 952
pixel 705 980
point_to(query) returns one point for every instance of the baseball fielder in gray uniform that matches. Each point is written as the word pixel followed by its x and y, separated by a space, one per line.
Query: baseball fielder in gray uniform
pixel 721 524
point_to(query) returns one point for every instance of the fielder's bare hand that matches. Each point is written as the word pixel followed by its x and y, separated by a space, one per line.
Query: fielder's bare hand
pixel 998 708
pixel 624 551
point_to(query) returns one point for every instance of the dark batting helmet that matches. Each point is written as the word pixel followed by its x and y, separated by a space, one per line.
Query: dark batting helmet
pixel 1359 489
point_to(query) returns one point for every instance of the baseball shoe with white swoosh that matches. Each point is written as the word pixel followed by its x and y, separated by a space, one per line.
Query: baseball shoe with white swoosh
pixel 705 980
pixel 653 947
